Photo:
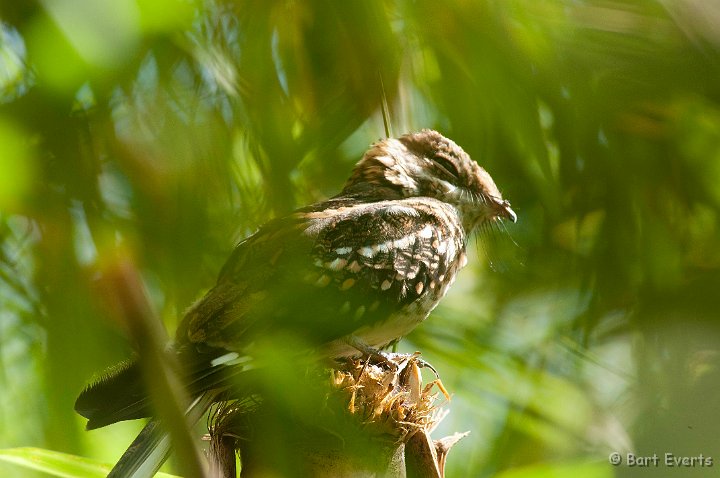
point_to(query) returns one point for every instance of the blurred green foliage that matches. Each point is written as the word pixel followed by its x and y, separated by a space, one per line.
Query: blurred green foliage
pixel 162 131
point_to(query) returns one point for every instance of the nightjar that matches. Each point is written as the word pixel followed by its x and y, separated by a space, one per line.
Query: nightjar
pixel 355 272
pixel 362 268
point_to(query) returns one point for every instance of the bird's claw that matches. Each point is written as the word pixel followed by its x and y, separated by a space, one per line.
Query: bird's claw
pixel 396 361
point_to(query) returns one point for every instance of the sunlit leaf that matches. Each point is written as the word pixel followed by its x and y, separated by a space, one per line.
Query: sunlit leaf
pixel 59 464
pixel 586 469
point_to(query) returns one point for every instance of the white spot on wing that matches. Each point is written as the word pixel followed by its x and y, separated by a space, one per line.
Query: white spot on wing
pixel 224 359
pixel 366 251
pixel 359 312
pixel 323 281
pixel 463 259
pixel 404 242
pixel 385 246
pixel 337 264
pixel 442 247
pixel 451 250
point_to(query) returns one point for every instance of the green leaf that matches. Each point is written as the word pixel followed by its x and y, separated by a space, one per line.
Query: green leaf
pixel 568 469
pixel 59 464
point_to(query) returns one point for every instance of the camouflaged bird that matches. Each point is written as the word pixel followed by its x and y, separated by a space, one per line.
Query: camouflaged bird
pixel 363 268
pixel 351 274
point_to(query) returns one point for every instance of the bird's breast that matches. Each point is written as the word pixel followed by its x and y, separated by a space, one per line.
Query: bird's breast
pixel 384 332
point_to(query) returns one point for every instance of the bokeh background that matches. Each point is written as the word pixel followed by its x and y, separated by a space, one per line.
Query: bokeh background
pixel 158 133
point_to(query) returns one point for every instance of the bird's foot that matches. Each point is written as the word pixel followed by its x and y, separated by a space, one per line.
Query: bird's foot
pixel 395 361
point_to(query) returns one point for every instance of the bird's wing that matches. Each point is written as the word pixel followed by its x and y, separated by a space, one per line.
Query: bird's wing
pixel 326 272
pixel 322 273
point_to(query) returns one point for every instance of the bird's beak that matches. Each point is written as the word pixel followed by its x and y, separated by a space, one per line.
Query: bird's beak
pixel 504 210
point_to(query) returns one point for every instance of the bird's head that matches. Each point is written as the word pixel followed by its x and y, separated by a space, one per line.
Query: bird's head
pixel 427 164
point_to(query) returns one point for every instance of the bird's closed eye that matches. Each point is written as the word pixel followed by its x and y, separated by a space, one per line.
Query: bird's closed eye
pixel 447 166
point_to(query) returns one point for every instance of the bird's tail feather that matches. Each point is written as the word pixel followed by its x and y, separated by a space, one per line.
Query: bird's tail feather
pixel 145 455
pixel 119 394
pixel 150 449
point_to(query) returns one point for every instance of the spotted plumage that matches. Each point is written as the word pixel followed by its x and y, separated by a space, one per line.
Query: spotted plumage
pixel 372 262
pixel 364 267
